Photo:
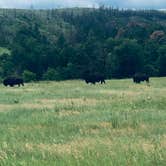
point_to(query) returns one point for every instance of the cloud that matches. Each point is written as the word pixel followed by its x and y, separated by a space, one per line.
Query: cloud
pixel 47 3
pixel 82 3
pixel 135 3
pixel 145 3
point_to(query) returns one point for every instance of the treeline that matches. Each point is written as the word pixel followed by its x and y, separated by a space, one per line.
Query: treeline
pixel 66 43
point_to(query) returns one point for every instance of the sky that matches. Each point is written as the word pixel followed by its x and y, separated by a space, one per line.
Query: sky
pixel 45 4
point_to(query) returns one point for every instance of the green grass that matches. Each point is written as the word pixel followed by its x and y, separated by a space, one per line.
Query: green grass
pixel 71 123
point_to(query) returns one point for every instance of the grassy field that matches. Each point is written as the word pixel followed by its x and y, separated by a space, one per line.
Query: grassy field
pixel 71 123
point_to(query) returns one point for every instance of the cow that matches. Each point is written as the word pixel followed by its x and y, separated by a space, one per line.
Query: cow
pixel 11 81
pixel 138 77
pixel 93 78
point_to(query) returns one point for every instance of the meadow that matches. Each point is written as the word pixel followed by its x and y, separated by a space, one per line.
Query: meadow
pixel 70 123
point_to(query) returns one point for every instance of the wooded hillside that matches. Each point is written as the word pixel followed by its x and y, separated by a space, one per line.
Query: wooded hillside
pixel 65 43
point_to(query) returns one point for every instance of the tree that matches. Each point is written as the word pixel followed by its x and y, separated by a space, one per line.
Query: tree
pixel 162 60
pixel 128 58
pixel 6 65
pixel 51 74
pixel 115 42
pixel 29 76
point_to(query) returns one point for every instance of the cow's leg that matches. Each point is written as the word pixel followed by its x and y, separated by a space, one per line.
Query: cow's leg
pixel 87 81
pixel 147 80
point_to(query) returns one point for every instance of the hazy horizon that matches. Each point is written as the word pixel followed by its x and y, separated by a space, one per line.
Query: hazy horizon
pixel 49 4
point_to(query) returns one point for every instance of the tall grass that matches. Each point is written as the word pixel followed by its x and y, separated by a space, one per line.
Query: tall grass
pixel 71 123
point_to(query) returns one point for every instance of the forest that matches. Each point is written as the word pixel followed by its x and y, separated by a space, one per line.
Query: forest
pixel 61 44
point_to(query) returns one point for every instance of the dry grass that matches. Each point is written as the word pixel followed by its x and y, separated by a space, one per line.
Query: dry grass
pixel 74 147
pixel 68 113
pixel 105 124
pixel 120 93
pixel 69 101
pixel 9 107
pixel 5 107
pixel 146 146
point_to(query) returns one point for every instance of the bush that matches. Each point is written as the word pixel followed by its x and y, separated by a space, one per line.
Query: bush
pixel 29 76
pixel 51 74
pixel 68 72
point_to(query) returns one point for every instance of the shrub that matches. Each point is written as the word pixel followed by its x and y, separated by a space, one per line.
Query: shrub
pixel 29 76
pixel 51 74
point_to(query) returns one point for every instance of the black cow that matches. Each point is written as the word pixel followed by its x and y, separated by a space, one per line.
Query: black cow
pixel 93 78
pixel 11 81
pixel 138 77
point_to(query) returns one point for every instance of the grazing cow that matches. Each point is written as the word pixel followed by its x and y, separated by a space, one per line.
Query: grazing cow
pixel 138 77
pixel 93 78
pixel 11 81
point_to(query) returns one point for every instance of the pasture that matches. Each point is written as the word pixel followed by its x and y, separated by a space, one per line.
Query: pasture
pixel 70 123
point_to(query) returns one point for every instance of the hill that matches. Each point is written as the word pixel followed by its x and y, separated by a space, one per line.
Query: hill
pixel 65 42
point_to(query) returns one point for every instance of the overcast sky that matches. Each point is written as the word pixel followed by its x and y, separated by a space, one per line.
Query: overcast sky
pixel 140 4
